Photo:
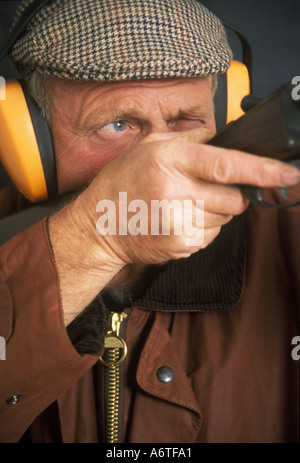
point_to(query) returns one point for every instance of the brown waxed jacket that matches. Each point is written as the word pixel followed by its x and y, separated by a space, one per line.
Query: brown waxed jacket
pixel 234 377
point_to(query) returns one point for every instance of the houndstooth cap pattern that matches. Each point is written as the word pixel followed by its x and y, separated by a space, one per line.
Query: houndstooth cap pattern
pixel 122 40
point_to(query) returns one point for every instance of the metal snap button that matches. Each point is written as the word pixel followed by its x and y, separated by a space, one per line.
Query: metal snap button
pixel 14 399
pixel 165 374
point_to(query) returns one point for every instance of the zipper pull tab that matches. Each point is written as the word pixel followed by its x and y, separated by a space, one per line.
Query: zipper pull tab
pixel 113 340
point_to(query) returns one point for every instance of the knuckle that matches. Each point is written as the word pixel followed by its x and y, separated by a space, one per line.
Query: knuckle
pixel 233 202
pixel 222 169
pixel 210 235
pixel 226 218
pixel 239 204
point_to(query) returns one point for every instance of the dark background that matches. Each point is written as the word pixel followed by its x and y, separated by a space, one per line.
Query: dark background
pixel 271 26
pixel 273 30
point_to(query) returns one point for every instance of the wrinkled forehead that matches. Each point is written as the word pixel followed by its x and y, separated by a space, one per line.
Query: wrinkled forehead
pixel 136 98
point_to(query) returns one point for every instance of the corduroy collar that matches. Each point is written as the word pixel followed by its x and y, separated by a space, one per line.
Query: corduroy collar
pixel 211 279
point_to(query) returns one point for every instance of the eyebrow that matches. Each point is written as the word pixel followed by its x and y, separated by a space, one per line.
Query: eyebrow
pixel 100 117
pixel 199 110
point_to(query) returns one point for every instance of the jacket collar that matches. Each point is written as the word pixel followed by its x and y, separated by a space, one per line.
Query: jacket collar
pixel 211 279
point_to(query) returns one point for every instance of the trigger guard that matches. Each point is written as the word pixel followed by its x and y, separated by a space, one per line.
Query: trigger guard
pixel 250 192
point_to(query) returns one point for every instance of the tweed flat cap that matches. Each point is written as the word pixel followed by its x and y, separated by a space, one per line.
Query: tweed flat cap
pixel 122 40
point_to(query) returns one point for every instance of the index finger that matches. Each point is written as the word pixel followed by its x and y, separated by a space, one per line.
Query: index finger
pixel 228 166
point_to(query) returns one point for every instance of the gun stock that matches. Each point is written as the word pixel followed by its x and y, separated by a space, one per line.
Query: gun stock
pixel 271 128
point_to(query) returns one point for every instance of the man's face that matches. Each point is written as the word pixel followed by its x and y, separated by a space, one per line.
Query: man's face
pixel 92 122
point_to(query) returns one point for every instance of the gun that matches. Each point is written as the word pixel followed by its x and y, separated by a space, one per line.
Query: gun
pixel 269 128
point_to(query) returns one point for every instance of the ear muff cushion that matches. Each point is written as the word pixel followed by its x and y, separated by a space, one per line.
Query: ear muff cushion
pixel 20 144
pixel 238 86
pixel 233 86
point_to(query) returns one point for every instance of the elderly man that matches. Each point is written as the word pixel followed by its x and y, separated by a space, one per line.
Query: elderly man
pixel 127 88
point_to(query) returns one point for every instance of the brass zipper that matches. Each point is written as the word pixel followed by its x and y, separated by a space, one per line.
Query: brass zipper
pixel 116 351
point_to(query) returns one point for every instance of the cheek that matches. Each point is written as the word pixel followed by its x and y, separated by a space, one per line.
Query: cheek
pixel 79 160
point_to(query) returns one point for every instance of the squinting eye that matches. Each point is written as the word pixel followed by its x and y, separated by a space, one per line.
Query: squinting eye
pixel 117 126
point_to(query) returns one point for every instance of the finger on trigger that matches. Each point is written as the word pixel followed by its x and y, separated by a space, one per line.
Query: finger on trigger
pixel 227 166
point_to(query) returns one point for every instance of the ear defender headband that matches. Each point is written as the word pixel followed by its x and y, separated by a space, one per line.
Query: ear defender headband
pixel 26 147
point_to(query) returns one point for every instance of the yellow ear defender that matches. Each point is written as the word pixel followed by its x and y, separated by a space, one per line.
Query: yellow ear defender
pixel 234 85
pixel 26 148
pixel 238 86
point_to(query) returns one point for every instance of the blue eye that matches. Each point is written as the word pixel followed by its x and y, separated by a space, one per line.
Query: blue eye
pixel 117 126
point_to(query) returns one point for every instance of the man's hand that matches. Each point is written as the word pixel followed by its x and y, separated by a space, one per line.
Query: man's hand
pixel 162 167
